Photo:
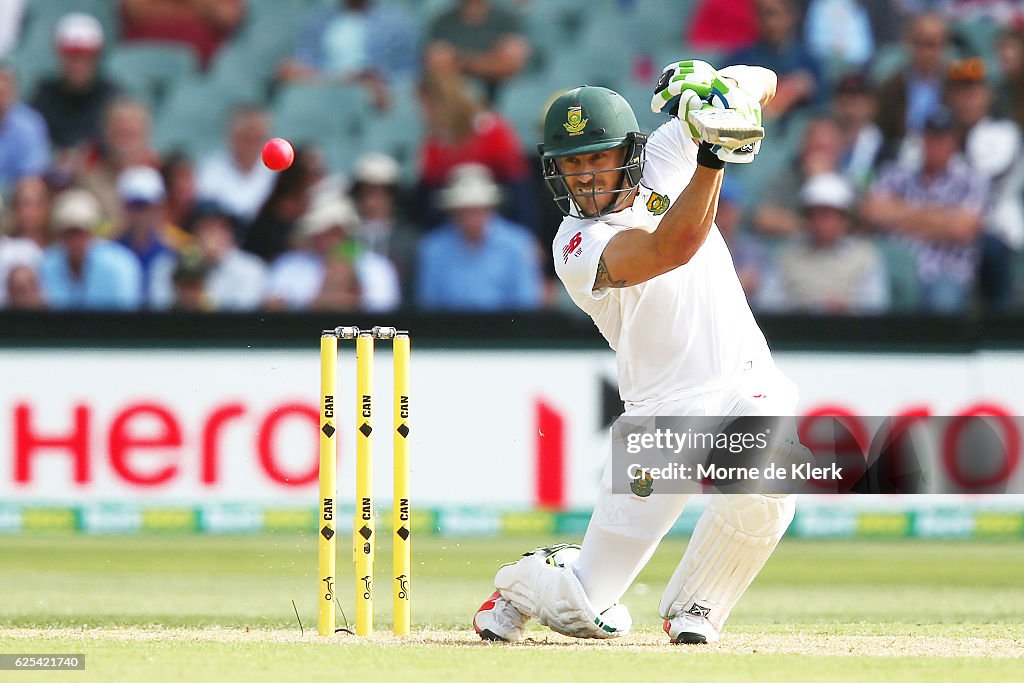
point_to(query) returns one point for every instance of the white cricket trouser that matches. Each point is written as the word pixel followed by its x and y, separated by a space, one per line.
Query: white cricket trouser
pixel 625 529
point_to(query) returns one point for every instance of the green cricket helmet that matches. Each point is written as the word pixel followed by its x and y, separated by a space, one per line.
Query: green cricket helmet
pixel 587 120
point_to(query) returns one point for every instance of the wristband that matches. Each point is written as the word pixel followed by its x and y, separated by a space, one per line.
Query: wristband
pixel 707 158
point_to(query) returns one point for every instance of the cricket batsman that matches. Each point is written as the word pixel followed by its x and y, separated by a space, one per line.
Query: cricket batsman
pixel 638 250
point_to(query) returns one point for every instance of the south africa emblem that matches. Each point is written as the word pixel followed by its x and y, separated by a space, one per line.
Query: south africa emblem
pixel 657 204
pixel 575 123
pixel 643 485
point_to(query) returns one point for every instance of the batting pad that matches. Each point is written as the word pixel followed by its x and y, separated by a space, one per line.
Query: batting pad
pixel 733 539
pixel 555 597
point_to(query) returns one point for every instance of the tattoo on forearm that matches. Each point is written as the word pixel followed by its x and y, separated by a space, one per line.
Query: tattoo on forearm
pixel 604 279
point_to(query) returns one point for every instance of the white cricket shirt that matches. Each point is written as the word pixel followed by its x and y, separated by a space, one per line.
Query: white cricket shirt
pixel 686 331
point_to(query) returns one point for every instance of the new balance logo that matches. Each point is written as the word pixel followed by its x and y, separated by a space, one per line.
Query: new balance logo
pixel 573 247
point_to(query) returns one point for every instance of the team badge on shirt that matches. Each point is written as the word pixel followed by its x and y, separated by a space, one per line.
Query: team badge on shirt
pixel 643 485
pixel 575 123
pixel 658 203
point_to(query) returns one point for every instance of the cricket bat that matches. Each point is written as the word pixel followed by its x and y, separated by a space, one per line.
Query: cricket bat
pixel 725 127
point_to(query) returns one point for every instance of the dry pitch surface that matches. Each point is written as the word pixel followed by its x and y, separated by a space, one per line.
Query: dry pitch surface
pixel 646 641
pixel 162 609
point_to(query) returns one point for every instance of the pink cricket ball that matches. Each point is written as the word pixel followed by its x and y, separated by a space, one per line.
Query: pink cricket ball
pixel 278 154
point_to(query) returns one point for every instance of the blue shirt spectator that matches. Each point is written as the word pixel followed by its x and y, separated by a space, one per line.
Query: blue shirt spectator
pixel 81 271
pixel 148 253
pixel 781 50
pixel 354 38
pixel 935 208
pixel 322 272
pixel 360 35
pixel 24 141
pixel 142 193
pixel 910 95
pixel 839 32
pixel 478 261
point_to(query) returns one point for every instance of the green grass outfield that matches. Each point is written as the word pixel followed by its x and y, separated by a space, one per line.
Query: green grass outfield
pixel 219 609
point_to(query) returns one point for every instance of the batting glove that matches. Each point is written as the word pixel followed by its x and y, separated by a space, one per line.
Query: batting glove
pixel 738 100
pixel 686 86
pixel 749 110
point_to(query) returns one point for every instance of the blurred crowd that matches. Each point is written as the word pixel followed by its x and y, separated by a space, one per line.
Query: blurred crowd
pixel 891 179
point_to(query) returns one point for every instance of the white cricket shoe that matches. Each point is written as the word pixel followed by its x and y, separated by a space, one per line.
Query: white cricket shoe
pixel 498 620
pixel 690 629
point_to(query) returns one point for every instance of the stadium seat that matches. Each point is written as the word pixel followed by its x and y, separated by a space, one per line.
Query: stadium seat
pixel 902 275
pixel 192 118
pixel 639 97
pixel 233 72
pixel 277 10
pixel 666 54
pixel 556 23
pixel 48 12
pixel 653 24
pixel 888 60
pixel 268 38
pixel 32 63
pixel 34 57
pixel 425 11
pixel 752 178
pixel 523 101
pixel 149 70
pixel 312 113
pixel 605 56
pixel 616 41
pixel 341 152
pixel 552 27
pixel 397 132
pixel 977 37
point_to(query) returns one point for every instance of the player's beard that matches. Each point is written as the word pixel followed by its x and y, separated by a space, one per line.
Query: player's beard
pixel 588 201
